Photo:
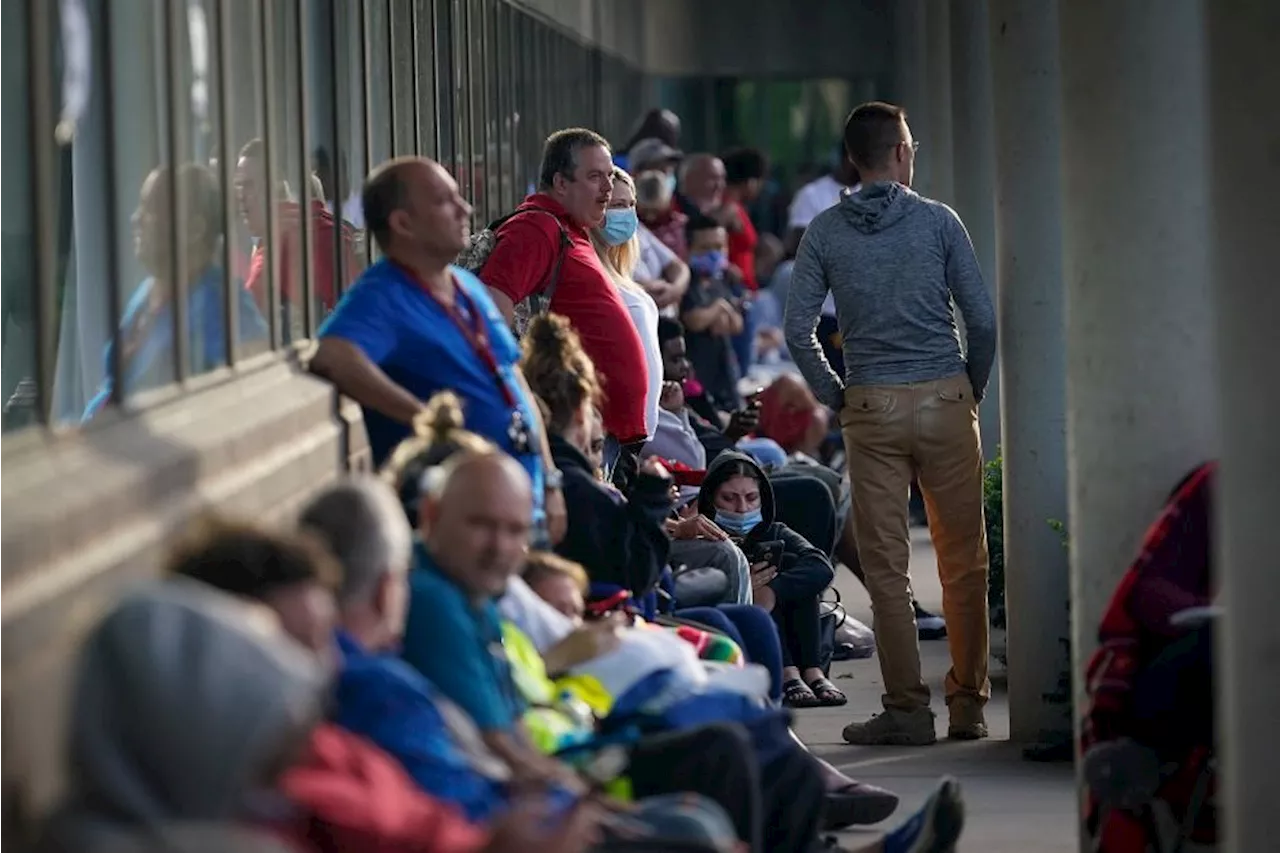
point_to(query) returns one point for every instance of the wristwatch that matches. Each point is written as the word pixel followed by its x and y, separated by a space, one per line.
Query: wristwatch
pixel 553 480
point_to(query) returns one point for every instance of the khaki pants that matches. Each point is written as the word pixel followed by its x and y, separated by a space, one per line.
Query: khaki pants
pixel 930 430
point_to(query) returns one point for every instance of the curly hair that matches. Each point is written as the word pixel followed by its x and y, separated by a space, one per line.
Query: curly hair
pixel 558 370
pixel 245 559
pixel 439 442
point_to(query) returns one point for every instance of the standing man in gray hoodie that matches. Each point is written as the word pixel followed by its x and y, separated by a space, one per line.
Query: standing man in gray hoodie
pixel 898 266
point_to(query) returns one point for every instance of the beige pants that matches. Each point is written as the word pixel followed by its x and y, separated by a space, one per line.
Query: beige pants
pixel 929 430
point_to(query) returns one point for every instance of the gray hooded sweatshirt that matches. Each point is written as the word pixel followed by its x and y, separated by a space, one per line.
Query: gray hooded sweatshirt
pixel 898 265
pixel 186 701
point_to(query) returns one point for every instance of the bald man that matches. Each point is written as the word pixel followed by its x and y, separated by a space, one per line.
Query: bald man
pixel 415 324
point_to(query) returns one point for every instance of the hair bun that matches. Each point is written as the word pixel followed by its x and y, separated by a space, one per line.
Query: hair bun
pixel 441 418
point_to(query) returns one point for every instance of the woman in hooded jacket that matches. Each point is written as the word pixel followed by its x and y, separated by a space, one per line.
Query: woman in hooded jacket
pixel 788 573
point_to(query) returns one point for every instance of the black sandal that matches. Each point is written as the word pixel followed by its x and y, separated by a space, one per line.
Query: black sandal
pixel 796 694
pixel 826 694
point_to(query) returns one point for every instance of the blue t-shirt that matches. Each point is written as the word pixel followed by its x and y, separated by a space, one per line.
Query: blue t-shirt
pixel 151 364
pixel 382 698
pixel 419 346
pixel 457 644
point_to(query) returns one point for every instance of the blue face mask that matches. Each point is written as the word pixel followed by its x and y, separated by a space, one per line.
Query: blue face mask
pixel 671 184
pixel 709 263
pixel 739 523
pixel 619 225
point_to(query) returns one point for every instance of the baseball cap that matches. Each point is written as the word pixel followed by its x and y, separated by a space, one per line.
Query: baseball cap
pixel 651 151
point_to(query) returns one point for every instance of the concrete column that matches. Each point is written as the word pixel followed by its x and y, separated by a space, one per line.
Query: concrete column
pixel 974 168
pixel 1244 130
pixel 1033 397
pixel 910 85
pixel 937 145
pixel 1141 383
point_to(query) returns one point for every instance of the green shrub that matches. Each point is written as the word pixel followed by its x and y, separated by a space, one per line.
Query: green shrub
pixel 993 506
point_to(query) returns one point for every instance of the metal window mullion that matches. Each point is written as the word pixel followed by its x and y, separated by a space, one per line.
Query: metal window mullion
pixel 43 159
pixel 226 182
pixel 111 188
pixel 339 77
pixel 174 22
pixel 415 83
pixel 469 98
pixel 366 116
pixel 435 79
pixel 482 79
pixel 455 123
pixel 271 244
pixel 390 52
pixel 505 127
pixel 306 267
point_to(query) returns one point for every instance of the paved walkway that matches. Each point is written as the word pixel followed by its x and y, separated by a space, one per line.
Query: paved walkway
pixel 1012 806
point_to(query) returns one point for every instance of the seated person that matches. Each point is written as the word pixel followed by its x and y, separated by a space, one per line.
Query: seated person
pixel 475 518
pixel 379 700
pixel 1150 680
pixel 620 538
pixel 197 711
pixel 620 541
pixel 789 573
pixel 713 314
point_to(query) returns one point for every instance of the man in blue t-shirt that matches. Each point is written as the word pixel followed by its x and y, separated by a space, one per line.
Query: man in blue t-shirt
pixel 414 325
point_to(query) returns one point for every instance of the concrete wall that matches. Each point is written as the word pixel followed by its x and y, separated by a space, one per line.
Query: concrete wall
pixel 86 513
pixel 844 39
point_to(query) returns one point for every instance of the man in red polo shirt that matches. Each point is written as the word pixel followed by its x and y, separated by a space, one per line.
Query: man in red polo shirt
pixel 574 187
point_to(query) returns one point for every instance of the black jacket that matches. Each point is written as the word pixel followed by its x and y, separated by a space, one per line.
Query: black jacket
pixel 805 569
pixel 618 541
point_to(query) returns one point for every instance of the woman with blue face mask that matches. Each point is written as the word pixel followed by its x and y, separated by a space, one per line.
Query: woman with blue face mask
pixel 619 248
pixel 788 573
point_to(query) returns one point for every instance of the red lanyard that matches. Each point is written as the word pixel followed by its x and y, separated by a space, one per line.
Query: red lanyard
pixel 472 327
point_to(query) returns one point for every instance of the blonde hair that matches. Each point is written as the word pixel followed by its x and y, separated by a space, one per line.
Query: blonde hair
pixel 620 261
pixel 439 444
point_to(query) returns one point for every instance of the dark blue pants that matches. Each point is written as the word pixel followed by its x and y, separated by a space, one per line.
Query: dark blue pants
pixel 752 629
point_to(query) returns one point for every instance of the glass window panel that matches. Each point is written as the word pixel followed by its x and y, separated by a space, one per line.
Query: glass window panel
pixel 17 227
pixel 447 117
pixel 425 70
pixel 295 233
pixel 403 80
pixel 378 59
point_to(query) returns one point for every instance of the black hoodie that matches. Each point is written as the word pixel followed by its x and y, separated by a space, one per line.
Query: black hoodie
pixel 799 557
pixel 618 541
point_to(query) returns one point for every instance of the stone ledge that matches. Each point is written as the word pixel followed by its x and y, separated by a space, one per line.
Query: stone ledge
pixel 87 512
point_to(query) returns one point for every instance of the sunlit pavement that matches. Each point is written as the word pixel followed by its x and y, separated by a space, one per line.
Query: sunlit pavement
pixel 1012 806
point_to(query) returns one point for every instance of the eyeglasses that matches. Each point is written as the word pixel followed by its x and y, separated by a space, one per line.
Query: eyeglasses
pixel 915 145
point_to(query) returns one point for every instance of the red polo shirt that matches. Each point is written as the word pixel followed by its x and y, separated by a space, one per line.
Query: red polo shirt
pixel 742 247
pixel 522 261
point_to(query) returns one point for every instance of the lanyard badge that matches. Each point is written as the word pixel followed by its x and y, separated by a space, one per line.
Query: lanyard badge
pixel 520 435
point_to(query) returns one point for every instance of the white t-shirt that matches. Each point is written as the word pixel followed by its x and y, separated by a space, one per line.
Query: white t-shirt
pixel 654 256
pixel 644 313
pixel 541 623
pixel 813 198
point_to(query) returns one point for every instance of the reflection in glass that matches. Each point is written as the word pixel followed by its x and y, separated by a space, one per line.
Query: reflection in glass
pixel 17 269
pixel 147 327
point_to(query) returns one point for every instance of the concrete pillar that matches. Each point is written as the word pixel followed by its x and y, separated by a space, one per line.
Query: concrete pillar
pixel 1244 130
pixel 1033 397
pixel 910 84
pixel 1141 383
pixel 937 145
pixel 974 165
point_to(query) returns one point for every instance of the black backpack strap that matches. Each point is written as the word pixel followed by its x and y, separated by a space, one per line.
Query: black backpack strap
pixel 548 288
